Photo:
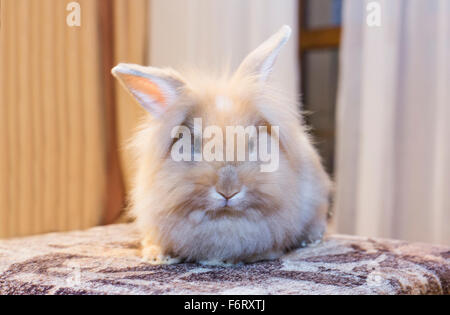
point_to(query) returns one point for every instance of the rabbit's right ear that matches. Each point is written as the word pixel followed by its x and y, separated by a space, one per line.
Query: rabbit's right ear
pixel 261 61
pixel 155 89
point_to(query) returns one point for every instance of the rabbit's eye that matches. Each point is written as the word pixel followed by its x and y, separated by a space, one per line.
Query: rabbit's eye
pixel 196 144
pixel 265 141
pixel 176 138
pixel 251 145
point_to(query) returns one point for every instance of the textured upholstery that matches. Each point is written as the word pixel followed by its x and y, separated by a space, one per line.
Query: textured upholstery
pixel 105 260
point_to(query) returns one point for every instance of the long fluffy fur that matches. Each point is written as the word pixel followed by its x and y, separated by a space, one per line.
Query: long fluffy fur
pixel 171 200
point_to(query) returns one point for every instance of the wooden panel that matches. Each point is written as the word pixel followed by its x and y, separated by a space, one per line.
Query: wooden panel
pixel 75 123
pixel 4 125
pixel 45 52
pixel 130 45
pixel 61 120
pixel 51 119
pixel 320 38
pixel 95 166
pixel 115 191
pixel 22 118
pixel 11 130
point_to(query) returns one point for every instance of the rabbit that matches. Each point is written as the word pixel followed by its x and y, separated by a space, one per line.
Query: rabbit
pixel 222 212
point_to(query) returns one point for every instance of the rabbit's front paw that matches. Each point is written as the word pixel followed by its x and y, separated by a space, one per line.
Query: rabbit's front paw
pixel 153 255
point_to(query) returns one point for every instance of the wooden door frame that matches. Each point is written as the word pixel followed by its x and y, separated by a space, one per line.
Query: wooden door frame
pixel 313 39
pixel 114 198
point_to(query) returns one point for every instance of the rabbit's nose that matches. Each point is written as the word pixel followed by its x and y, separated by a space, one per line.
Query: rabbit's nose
pixel 228 184
pixel 228 194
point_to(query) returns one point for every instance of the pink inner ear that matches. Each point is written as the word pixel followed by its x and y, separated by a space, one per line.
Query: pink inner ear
pixel 145 86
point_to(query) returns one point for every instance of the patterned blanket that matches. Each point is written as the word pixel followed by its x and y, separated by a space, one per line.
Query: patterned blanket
pixel 105 260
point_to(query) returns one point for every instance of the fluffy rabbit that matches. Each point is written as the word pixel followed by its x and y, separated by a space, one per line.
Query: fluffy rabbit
pixel 222 211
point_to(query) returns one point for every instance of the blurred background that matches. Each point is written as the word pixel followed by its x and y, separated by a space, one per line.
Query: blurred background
pixel 374 80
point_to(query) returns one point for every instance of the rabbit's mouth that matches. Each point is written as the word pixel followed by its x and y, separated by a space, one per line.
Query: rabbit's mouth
pixel 226 211
pixel 200 216
pixel 221 201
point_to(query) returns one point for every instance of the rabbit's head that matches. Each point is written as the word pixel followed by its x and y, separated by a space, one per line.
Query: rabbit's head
pixel 215 149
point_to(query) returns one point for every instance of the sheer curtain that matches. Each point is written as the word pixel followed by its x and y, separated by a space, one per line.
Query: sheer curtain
pixel 209 33
pixel 393 150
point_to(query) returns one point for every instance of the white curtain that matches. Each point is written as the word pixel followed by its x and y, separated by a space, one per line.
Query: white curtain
pixel 393 147
pixel 210 33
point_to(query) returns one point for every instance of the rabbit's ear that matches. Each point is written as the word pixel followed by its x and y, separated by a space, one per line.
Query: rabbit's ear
pixel 155 89
pixel 260 61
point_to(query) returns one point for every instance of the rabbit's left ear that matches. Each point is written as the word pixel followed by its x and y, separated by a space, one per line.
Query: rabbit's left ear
pixel 260 61
pixel 155 89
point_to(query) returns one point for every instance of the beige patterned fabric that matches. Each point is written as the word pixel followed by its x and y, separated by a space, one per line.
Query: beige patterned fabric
pixel 105 260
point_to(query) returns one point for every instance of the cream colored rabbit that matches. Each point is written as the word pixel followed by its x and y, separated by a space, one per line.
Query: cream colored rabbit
pixel 215 211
